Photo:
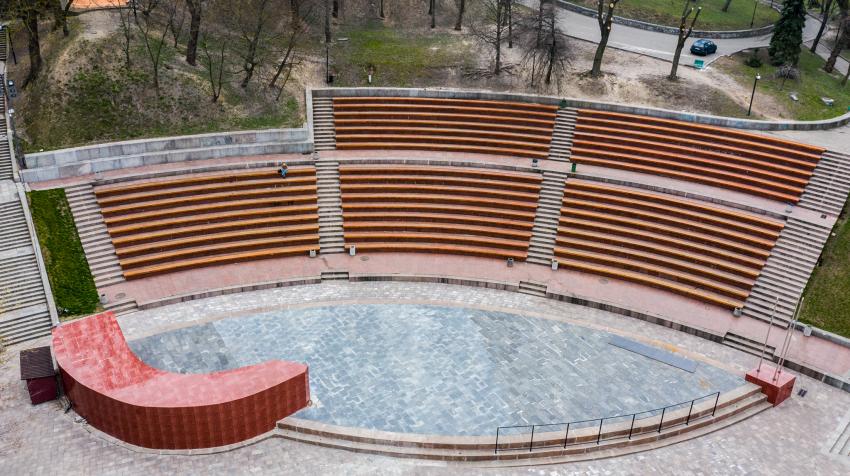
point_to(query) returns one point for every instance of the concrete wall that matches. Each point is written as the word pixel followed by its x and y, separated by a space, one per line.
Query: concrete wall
pixel 119 155
pixel 581 103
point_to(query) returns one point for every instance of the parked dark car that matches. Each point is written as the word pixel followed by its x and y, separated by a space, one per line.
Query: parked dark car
pixel 703 47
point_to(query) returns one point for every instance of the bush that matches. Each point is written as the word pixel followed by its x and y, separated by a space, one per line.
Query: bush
pixel 67 269
pixel 753 61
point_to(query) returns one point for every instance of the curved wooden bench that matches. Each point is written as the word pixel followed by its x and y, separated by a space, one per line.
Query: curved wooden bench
pixel 231 218
pixel 650 280
pixel 301 242
pixel 440 147
pixel 357 237
pixel 307 195
pixel 652 170
pixel 282 204
pixel 352 228
pixel 724 134
pixel 705 238
pixel 390 131
pixel 349 171
pixel 447 116
pixel 218 177
pixel 411 188
pixel 425 100
pixel 390 207
pixel 143 233
pixel 441 249
pixel 434 180
pixel 231 236
pixel 227 258
pixel 425 123
pixel 446 199
pixel 441 140
pixel 377 216
pixel 452 108
pixel 696 148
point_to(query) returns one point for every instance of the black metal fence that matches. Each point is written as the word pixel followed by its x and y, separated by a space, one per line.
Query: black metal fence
pixel 634 421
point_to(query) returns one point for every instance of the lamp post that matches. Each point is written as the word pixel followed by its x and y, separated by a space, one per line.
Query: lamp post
pixel 753 20
pixel 753 95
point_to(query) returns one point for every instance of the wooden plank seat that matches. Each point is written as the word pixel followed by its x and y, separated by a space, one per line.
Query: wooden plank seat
pixel 684 203
pixel 235 257
pixel 170 243
pixel 649 280
pixel 282 195
pixel 697 148
pixel 724 134
pixel 296 183
pixel 429 247
pixel 389 207
pixel 444 198
pixel 674 159
pixel 426 123
pixel 447 238
pixel 216 219
pixel 432 180
pixel 297 241
pixel 661 218
pixel 691 177
pixel 664 272
pixel 434 227
pixel 522 106
pixel 672 210
pixel 443 108
pixel 674 231
pixel 518 120
pixel 411 188
pixel 212 178
pixel 660 162
pixel 659 243
pixel 281 203
pixel 402 131
pixel 347 171
pixel 660 260
pixel 441 147
pixel 442 140
pixel 145 234
pixel 377 216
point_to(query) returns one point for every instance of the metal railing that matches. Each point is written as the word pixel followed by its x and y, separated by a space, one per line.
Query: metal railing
pixel 599 424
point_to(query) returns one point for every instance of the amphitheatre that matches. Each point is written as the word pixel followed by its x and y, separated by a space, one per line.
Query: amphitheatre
pixel 428 280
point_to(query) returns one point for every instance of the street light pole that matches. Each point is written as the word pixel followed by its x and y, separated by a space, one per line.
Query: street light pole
pixel 753 95
pixel 753 20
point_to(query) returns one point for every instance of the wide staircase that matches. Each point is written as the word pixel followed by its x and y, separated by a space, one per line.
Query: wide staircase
pixel 829 186
pixel 331 238
pixel 704 252
pixel 97 244
pixel 24 311
pixel 545 230
pixel 208 219
pixel 6 170
pixel 455 210
pixel 562 136
pixel 323 124
pixel 786 272
pixel 442 124
pixel 750 163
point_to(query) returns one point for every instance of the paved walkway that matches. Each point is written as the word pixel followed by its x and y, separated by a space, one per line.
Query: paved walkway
pixel 791 439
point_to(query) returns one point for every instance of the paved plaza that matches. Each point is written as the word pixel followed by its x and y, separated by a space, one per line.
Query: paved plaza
pixel 791 439
pixel 438 370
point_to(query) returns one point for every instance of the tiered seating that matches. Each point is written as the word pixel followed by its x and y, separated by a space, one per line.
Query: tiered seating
pixel 759 165
pixel 458 125
pixel 688 247
pixel 453 210
pixel 201 220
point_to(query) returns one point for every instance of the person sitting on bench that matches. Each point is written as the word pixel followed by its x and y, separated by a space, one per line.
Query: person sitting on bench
pixel 282 170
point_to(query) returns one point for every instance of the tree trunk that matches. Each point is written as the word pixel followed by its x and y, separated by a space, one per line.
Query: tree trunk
pixel 841 40
pixel 433 13
pixel 194 30
pixel 827 6
pixel 33 45
pixel 552 47
pixel 60 20
pixel 596 70
pixel 726 6
pixel 509 6
pixel 460 10
pixel 381 12
pixel 498 38
pixel 328 21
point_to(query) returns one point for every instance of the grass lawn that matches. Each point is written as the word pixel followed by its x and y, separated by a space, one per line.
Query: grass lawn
pixel 813 84
pixel 398 58
pixel 669 12
pixel 67 269
pixel 827 302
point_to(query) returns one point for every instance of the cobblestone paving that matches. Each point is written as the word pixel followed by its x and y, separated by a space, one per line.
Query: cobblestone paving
pixel 791 439
pixel 438 370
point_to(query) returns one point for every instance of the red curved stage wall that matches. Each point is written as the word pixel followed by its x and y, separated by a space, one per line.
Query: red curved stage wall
pixel 120 395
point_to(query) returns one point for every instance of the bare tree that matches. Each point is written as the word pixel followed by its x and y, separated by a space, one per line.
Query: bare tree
pixel 545 43
pixel 29 15
pixel 125 25
pixel 687 11
pixel 195 9
pixel 826 8
pixel 605 18
pixel 490 28
pixel 175 21
pixel 254 26
pixel 461 9
pixel 287 62
pixel 152 32
pixel 213 62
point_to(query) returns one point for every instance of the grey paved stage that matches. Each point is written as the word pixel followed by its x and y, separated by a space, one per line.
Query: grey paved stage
pixel 438 370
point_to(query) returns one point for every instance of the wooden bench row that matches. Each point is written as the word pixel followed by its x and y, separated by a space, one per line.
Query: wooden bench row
pixel 297 174
pixel 522 106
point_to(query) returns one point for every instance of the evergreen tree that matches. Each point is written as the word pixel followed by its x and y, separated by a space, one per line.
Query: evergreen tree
pixel 788 34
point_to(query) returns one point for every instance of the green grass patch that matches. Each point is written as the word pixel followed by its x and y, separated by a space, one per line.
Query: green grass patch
pixel 67 269
pixel 397 58
pixel 813 83
pixel 669 12
pixel 827 295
